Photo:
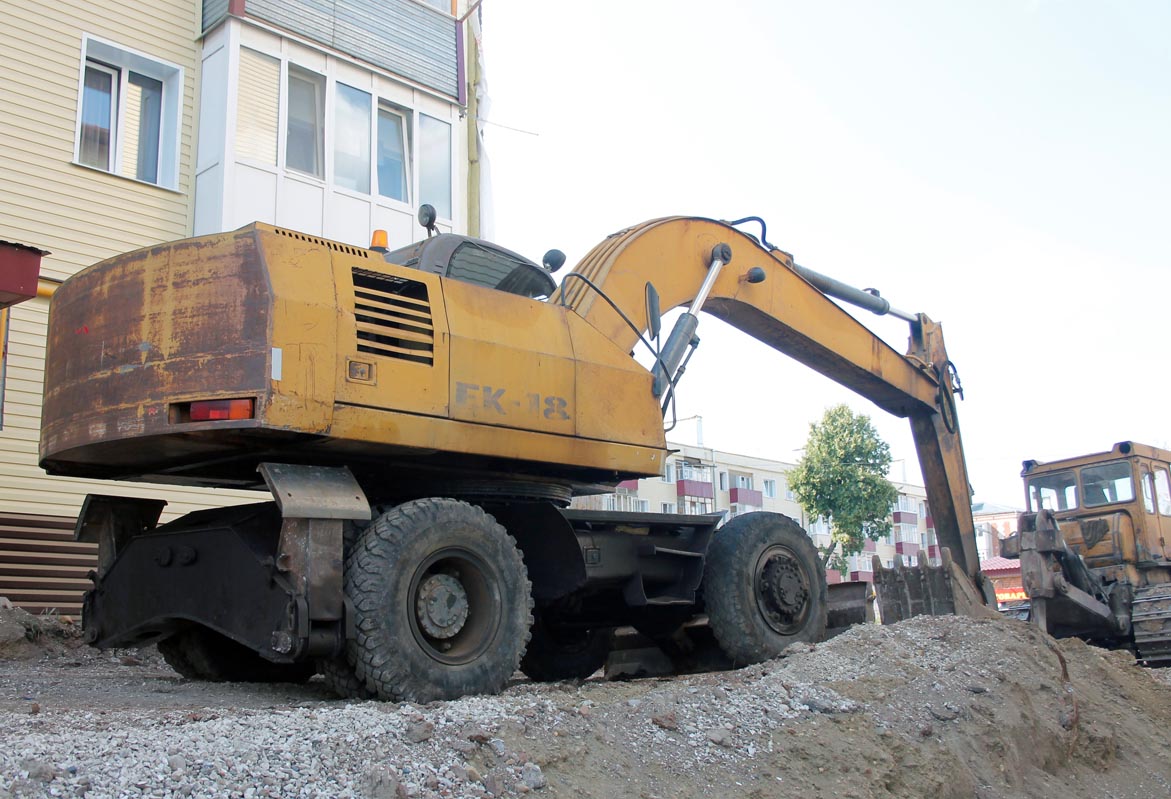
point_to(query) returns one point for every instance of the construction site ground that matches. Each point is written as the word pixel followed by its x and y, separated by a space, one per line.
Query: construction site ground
pixel 933 707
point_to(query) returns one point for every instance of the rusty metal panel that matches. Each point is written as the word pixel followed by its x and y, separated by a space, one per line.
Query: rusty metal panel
pixel 134 334
pixel 315 492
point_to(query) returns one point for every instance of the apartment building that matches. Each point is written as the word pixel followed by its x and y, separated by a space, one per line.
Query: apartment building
pixel 129 124
pixel 699 479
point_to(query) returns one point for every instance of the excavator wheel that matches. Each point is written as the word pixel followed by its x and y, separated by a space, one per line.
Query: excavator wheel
pixel 442 602
pixel 173 651
pixel 340 677
pixel 201 654
pixel 554 655
pixel 764 587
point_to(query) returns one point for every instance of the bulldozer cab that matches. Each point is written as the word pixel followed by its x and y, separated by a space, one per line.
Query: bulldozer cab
pixel 1114 507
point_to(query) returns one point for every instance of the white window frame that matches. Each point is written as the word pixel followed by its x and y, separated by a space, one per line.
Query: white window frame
pixel 770 488
pixel 405 118
pixel 121 61
pixel 323 89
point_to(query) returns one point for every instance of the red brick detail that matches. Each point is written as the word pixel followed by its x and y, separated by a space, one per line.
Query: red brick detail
pixel 832 576
pixel 905 517
pixel 865 577
pixel 907 548
pixel 629 485
pixel 870 546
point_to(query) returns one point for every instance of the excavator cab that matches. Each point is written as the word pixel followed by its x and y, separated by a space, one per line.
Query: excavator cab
pixel 478 262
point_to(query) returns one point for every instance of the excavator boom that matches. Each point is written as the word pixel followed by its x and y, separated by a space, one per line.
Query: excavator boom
pixel 786 311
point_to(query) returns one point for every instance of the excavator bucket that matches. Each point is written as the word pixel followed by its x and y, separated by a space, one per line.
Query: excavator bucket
pixel 849 604
pixel 904 591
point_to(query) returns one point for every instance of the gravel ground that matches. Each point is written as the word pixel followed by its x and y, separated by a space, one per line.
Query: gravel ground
pixel 933 707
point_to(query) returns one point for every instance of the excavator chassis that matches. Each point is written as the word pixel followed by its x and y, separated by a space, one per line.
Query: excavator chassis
pixel 269 575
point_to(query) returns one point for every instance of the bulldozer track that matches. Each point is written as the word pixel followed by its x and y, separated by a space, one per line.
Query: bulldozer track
pixel 1151 621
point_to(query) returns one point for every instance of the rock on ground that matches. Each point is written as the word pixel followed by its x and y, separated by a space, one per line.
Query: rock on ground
pixel 932 707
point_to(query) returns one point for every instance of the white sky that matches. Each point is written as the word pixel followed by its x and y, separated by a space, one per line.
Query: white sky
pixel 1004 167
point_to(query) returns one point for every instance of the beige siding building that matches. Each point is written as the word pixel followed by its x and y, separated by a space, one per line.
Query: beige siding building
pixel 129 124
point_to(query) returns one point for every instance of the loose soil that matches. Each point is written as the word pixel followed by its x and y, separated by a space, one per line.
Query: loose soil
pixel 933 707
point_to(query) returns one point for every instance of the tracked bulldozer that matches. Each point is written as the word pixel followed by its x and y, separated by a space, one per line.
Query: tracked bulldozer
pixel 1092 547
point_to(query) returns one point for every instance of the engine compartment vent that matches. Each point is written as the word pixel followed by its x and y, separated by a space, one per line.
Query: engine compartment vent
pixel 333 245
pixel 393 317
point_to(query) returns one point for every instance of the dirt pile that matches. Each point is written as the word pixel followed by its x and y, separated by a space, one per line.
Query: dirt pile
pixel 24 636
pixel 933 707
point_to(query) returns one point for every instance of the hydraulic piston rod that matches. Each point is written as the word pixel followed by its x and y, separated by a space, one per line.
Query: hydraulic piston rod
pixel 868 299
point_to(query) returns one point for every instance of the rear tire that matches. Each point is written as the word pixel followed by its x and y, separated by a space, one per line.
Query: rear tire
pixel 764 587
pixel 442 602
pixel 340 677
pixel 198 653
pixel 172 650
pixel 554 655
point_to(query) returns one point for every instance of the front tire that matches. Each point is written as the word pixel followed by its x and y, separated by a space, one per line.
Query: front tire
pixel 442 602
pixel 764 587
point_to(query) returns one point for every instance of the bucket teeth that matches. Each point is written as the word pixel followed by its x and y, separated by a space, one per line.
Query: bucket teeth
pixel 905 591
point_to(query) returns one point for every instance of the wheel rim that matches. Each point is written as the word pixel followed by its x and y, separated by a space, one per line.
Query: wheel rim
pixel 454 606
pixel 783 590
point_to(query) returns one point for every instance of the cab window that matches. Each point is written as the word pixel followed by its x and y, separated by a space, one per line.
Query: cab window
pixel 1148 492
pixel 1056 492
pixel 1106 483
pixel 1163 491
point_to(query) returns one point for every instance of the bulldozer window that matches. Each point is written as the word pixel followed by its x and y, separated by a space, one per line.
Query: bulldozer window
pixel 1056 492
pixel 1163 491
pixel 1106 483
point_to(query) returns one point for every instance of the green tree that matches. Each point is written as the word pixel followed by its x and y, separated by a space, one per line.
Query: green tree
pixel 842 478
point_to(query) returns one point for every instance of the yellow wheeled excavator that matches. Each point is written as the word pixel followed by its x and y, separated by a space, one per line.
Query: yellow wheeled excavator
pixel 420 420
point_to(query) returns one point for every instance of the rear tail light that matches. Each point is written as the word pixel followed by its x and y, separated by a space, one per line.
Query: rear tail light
pixel 220 410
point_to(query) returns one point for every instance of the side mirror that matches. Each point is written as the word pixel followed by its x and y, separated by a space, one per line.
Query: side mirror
pixel 654 317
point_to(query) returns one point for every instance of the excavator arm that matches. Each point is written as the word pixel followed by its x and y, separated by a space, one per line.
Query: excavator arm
pixel 762 292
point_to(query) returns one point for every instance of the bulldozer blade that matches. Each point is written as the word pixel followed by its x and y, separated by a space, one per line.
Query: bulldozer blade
pixel 849 604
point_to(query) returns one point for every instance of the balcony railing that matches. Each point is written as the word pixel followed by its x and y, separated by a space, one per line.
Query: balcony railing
pixel 694 488
pixel 746 496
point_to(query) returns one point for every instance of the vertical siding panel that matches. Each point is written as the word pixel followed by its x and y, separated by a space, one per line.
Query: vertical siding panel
pixel 401 36
pixel 213 12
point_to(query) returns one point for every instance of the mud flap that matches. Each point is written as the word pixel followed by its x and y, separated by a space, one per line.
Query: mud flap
pixel 905 591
